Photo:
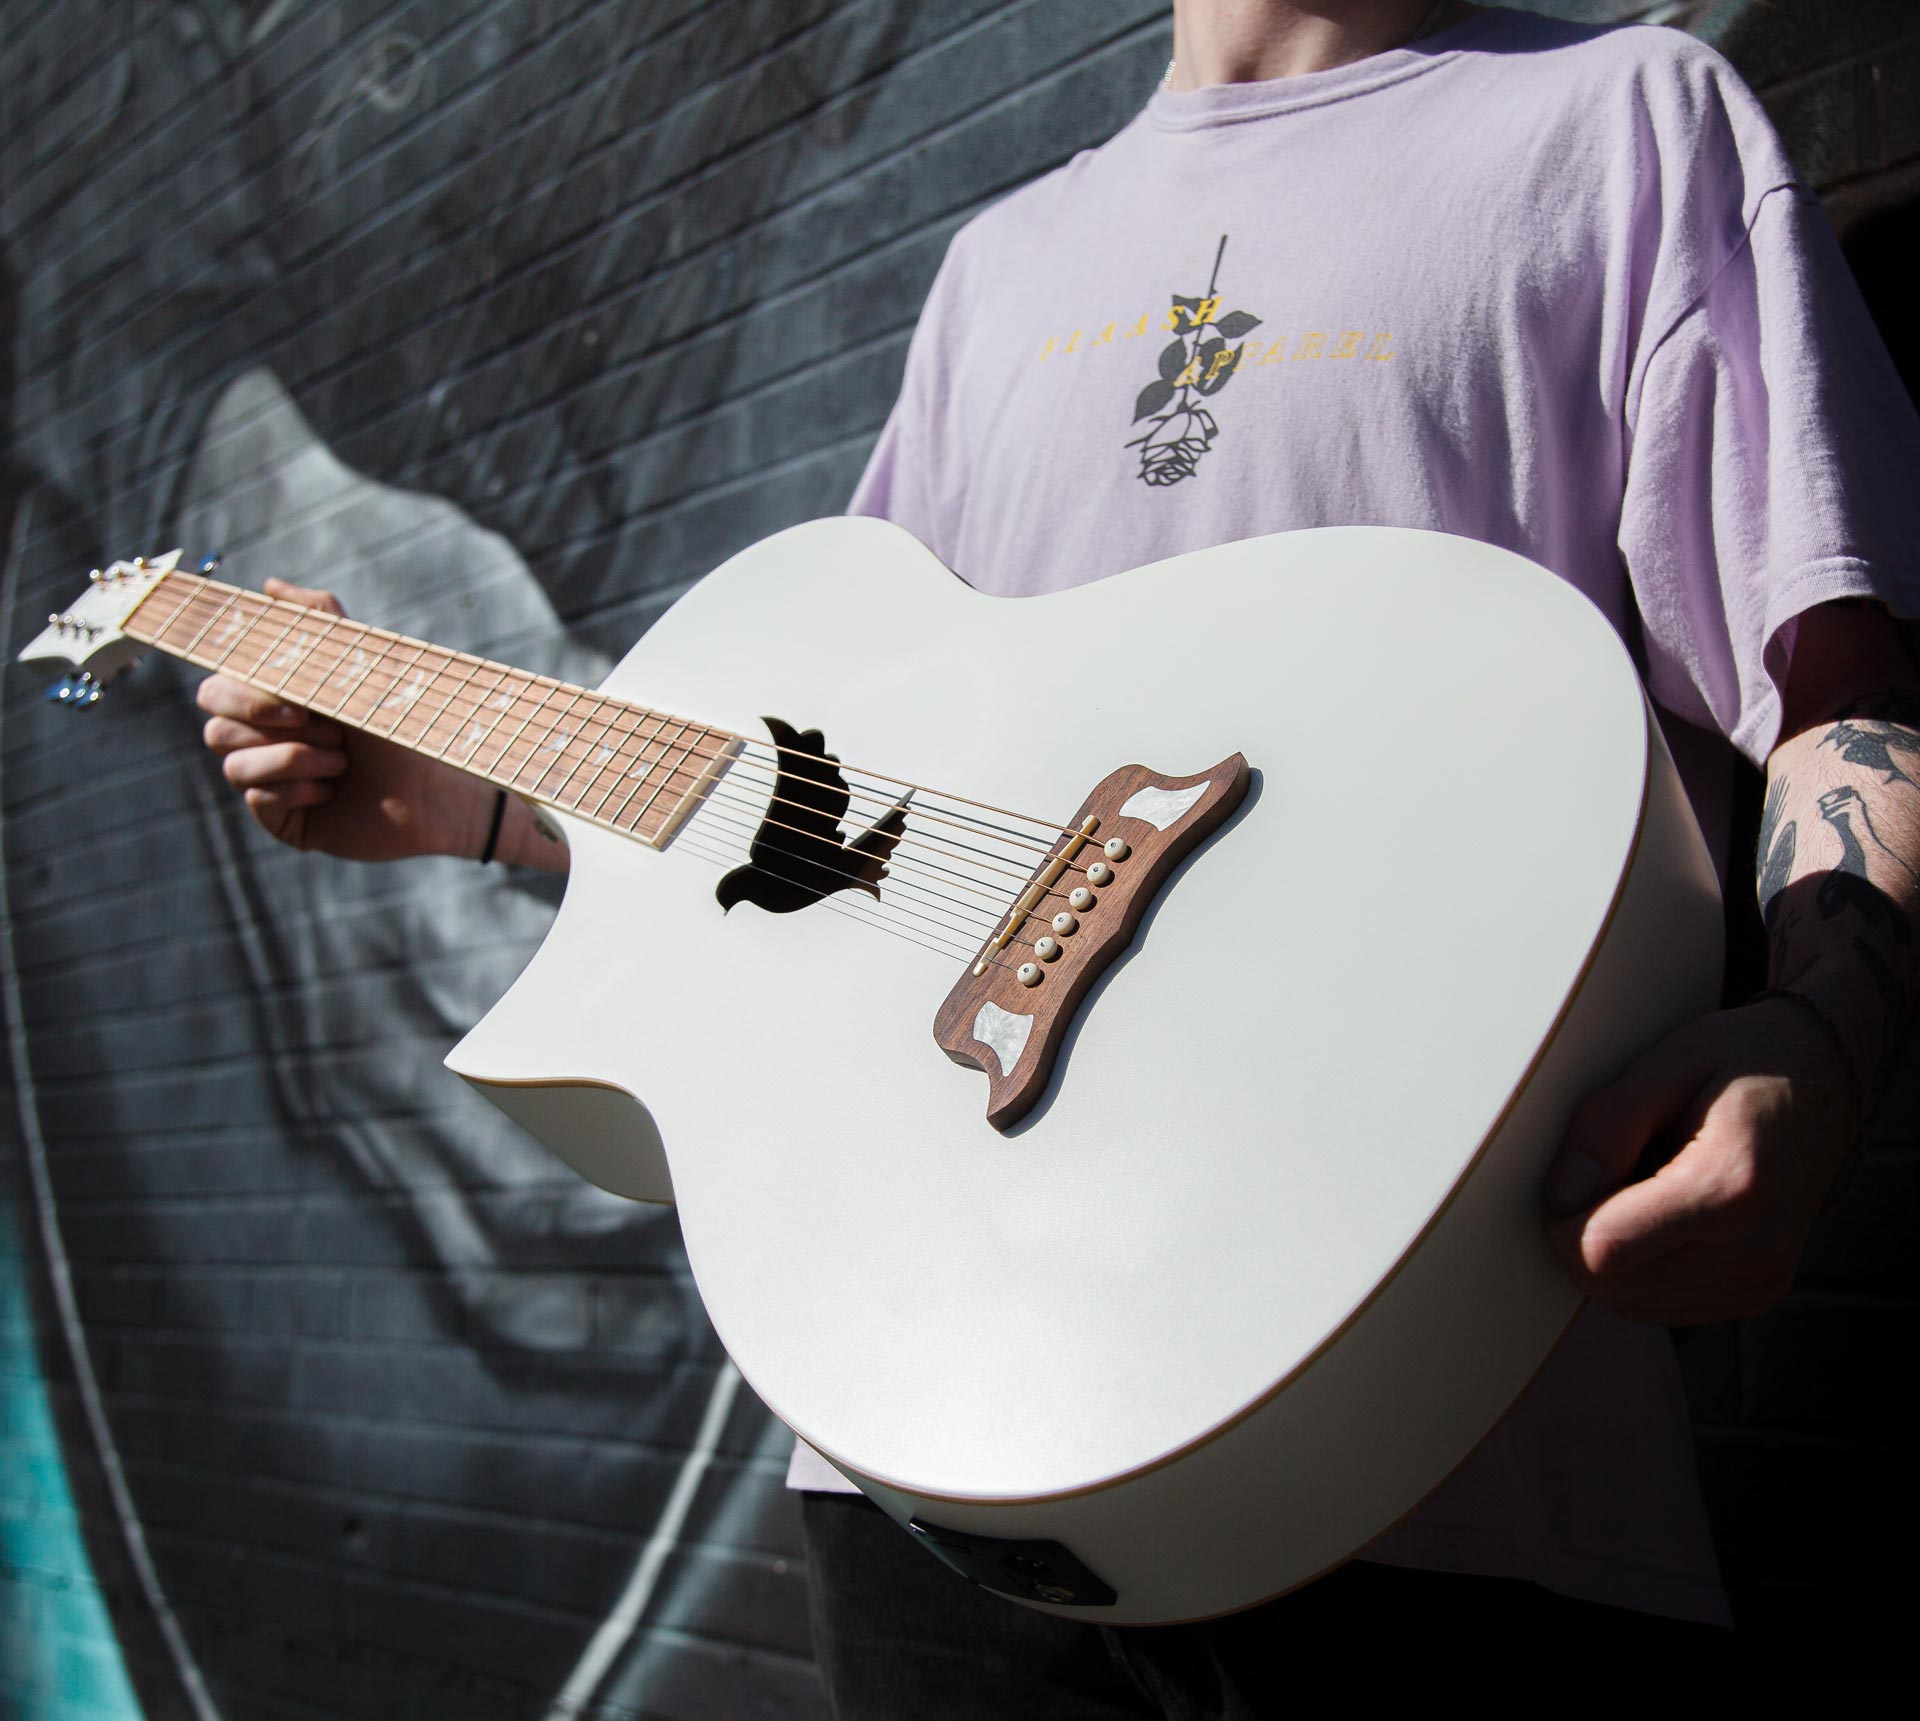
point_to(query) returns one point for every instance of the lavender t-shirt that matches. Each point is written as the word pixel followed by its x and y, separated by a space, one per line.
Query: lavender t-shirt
pixel 1551 287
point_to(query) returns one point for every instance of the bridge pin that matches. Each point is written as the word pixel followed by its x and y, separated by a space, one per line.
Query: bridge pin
pixel 1116 849
pixel 1028 974
pixel 1046 948
pixel 1065 924
pixel 1082 899
pixel 1099 874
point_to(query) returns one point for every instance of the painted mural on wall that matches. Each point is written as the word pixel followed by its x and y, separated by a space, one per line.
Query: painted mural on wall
pixel 318 1381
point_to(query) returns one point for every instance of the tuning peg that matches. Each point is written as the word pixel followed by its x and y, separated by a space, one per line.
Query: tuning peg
pixel 75 691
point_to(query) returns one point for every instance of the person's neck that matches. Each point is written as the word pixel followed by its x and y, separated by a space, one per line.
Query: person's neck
pixel 1250 41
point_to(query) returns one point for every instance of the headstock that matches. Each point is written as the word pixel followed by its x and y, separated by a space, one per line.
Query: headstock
pixel 88 636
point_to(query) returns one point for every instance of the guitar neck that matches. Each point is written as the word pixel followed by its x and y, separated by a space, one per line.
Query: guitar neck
pixel 612 762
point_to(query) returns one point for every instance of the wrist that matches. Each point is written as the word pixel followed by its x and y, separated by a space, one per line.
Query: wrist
pixel 529 838
pixel 1852 1016
pixel 1827 1080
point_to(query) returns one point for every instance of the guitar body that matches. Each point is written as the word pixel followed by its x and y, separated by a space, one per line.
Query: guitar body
pixel 1266 1259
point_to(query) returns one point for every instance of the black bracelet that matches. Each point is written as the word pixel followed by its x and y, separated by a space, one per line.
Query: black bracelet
pixel 493 830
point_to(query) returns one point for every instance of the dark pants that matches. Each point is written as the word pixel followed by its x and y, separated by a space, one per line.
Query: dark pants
pixel 900 1637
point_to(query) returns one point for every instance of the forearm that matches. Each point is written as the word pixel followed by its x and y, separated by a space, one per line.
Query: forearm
pixel 527 838
pixel 1839 872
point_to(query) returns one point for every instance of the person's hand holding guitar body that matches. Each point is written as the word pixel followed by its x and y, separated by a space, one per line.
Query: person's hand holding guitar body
pixel 316 785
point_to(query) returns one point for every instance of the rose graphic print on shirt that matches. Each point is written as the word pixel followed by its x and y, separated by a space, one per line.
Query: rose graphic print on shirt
pixel 1194 366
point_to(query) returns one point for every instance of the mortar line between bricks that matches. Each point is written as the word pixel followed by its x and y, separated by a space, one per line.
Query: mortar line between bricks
pixel 137 147
pixel 412 1423
pixel 682 503
pixel 660 353
pixel 130 146
pixel 534 117
pixel 149 18
pixel 423 1280
pixel 129 1531
pixel 578 20
pixel 601 466
pixel 416 1506
pixel 588 614
pixel 21 53
pixel 565 1445
pixel 318 1130
pixel 546 1612
pixel 474 91
pixel 615 294
pixel 693 1362
pixel 379 973
pixel 310 1058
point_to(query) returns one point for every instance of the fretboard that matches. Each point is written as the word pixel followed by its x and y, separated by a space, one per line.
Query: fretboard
pixel 608 760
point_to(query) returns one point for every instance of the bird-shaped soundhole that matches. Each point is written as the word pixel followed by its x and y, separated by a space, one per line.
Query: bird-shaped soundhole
pixel 799 857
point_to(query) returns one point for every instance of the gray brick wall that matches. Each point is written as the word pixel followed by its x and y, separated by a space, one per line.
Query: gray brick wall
pixel 520 316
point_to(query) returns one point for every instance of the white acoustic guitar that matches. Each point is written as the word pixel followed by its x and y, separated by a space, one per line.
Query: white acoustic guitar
pixel 1108 1111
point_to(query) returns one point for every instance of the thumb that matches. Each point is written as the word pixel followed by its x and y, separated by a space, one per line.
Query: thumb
pixel 1615 1126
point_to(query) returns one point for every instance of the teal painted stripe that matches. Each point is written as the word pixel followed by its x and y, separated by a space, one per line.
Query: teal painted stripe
pixel 59 1659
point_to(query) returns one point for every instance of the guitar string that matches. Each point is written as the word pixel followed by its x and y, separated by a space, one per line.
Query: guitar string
pixel 996 894
pixel 368 630
pixel 992 893
pixel 1002 899
pixel 934 920
pixel 917 917
pixel 705 852
pixel 968 917
pixel 974 912
pixel 463 686
pixel 695 834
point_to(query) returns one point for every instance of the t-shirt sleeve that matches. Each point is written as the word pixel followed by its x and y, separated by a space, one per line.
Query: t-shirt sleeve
pixel 911 477
pixel 1773 463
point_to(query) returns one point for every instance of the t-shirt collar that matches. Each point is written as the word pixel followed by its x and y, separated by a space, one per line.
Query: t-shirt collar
pixel 1229 104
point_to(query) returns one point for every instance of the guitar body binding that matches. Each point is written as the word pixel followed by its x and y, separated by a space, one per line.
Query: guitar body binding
pixel 1263 1259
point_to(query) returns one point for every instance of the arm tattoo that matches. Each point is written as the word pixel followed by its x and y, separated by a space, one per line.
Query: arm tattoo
pixel 1837 871
pixel 1776 844
pixel 1873 746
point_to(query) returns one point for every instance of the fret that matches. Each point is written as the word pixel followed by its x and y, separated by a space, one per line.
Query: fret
pixel 360 659
pixel 513 740
pixel 246 630
pixel 280 639
pixel 547 745
pixel 620 811
pixel 392 691
pixel 188 650
pixel 645 741
pixel 461 680
pixel 319 660
pixel 192 591
pixel 614 762
pixel 639 818
pixel 424 678
pixel 604 715
pixel 707 746
pixel 497 699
